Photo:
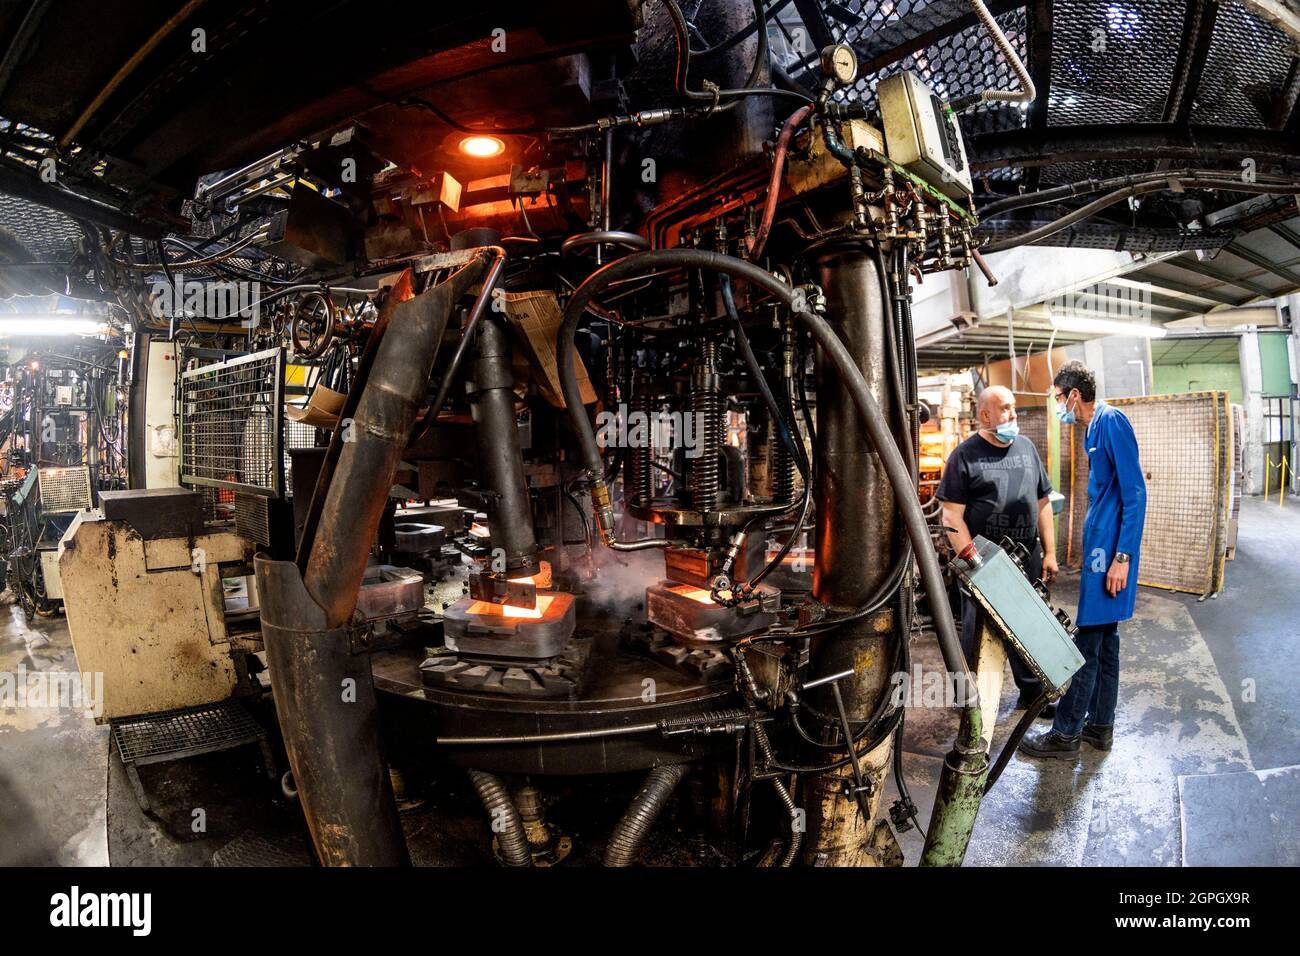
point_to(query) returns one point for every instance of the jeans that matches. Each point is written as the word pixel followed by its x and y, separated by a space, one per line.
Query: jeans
pixel 1094 689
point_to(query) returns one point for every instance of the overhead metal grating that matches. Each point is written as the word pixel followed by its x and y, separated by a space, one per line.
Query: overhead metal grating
pixel 1246 72
pixel 962 63
pixel 1113 61
pixel 43 233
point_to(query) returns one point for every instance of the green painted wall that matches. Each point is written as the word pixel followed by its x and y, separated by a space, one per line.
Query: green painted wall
pixel 1215 376
pixel 1274 363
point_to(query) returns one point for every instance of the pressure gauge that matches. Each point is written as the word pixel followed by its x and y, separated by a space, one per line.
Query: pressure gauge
pixel 840 63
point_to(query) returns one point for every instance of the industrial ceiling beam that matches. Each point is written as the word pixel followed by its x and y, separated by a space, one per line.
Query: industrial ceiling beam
pixel 23 182
pixel 1191 264
pixel 1135 141
pixel 1213 295
pixel 1171 304
pixel 923 28
pixel 1104 296
pixel 1284 231
pixel 1198 31
pixel 1255 259
pixel 1040 70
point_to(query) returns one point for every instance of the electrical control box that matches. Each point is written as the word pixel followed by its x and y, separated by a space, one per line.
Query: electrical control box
pixel 922 135
pixel 1019 613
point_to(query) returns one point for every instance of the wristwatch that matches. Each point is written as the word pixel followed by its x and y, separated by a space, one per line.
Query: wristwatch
pixel 1121 557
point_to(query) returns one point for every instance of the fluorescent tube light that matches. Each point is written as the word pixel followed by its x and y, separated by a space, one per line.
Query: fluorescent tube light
pixel 1071 323
pixel 37 325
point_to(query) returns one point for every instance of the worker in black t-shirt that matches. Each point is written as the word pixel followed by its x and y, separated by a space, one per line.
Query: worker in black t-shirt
pixel 994 485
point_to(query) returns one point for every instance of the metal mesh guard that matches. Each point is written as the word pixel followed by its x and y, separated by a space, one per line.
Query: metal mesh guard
pixel 64 489
pixel 232 424
pixel 177 733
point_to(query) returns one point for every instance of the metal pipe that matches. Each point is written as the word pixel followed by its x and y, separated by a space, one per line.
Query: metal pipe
pixel 466 337
pixel 641 814
pixel 774 185
pixel 358 489
pixel 509 511
pixel 854 538
pixel 329 717
pixel 127 68
pixel 506 822
pixel 957 801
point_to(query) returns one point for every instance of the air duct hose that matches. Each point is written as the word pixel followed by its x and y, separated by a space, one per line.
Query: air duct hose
pixel 504 816
pixel 641 814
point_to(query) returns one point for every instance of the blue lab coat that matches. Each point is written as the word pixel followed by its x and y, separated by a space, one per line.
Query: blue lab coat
pixel 1117 507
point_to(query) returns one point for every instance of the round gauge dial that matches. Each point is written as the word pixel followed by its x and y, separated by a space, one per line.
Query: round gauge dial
pixel 841 63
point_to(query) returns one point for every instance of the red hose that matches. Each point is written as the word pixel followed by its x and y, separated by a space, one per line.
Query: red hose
pixel 774 186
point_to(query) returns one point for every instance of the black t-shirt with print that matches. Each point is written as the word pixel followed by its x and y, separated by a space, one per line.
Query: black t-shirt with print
pixel 1000 488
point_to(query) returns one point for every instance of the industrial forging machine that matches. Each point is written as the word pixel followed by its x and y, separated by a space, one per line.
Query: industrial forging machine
pixel 612 457
pixel 777 552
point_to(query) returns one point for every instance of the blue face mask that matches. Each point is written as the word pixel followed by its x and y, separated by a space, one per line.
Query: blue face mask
pixel 1063 412
pixel 1007 431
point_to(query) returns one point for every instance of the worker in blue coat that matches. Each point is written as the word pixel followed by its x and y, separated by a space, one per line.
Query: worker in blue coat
pixel 1112 536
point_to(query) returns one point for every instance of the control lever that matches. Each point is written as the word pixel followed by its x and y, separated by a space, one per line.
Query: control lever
pixel 861 788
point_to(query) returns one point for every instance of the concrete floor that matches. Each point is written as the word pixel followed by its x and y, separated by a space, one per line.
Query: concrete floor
pixel 1205 769
pixel 1207 692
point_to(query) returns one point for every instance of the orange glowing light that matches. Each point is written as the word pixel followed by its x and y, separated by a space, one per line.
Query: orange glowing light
pixel 695 594
pixel 482 147
pixel 506 610
pixel 541 578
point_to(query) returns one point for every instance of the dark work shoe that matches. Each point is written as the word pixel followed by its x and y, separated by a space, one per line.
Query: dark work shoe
pixel 1049 744
pixel 1099 737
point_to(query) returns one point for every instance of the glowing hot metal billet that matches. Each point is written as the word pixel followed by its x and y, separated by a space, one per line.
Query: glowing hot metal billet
pixel 481 629
pixel 689 614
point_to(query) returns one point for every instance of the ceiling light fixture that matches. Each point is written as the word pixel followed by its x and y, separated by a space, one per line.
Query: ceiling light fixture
pixel 1075 323
pixel 34 325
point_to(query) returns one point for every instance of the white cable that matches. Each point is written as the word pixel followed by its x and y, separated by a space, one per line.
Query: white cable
pixel 1026 93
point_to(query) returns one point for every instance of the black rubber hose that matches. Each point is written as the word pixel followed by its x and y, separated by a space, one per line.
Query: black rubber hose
pixel 641 814
pixel 896 469
pixel 1022 728
pixel 504 816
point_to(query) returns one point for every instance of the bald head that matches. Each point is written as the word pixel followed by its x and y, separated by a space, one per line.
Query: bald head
pixel 996 396
pixel 996 406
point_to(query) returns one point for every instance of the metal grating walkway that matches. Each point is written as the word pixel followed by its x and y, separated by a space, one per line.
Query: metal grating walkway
pixel 185 733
